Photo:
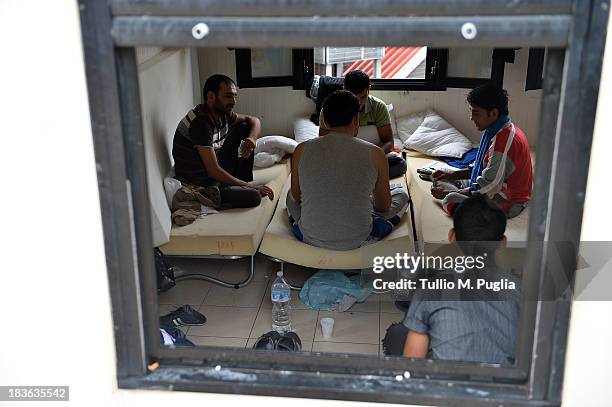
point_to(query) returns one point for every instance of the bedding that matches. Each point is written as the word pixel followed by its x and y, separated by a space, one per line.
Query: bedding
pixel 437 138
pixel 304 129
pixel 235 231
pixel 271 149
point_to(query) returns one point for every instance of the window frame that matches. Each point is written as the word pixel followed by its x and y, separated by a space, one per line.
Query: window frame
pixel 117 130
pixel 297 80
pixel 434 76
pixel 436 67
pixel 499 58
pixel 535 69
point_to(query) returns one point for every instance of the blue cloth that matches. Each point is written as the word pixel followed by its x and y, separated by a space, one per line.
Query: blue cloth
pixel 380 227
pixel 464 161
pixel 327 287
pixel 488 134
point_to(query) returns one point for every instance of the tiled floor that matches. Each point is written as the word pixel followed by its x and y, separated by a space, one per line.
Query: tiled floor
pixel 236 318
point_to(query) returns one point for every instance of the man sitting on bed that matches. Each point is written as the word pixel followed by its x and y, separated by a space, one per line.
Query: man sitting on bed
pixel 213 145
pixel 339 197
pixel 502 170
pixel 372 112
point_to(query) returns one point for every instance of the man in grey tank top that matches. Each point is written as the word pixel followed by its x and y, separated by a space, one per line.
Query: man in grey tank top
pixel 339 197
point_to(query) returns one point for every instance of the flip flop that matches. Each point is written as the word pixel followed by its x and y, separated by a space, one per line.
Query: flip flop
pixel 267 341
pixel 289 342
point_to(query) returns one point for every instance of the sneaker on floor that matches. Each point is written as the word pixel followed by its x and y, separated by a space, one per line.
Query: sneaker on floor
pixel 183 316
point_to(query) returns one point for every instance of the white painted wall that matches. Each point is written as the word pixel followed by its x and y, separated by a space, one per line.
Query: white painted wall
pixel 278 107
pixel 54 298
pixel 166 94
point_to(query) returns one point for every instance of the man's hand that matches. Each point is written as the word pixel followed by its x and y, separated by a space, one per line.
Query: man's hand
pixel 442 175
pixel 248 147
pixel 265 190
pixel 438 192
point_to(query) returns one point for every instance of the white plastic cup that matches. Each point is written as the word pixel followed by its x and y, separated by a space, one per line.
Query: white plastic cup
pixel 327 326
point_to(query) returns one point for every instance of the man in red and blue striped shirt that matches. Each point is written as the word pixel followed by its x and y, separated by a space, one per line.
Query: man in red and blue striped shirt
pixel 502 170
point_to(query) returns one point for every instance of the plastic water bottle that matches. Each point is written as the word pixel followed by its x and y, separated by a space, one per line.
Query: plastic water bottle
pixel 281 309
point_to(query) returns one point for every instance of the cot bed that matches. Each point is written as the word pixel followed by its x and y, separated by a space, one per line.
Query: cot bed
pixel 280 245
pixel 432 223
pixel 232 233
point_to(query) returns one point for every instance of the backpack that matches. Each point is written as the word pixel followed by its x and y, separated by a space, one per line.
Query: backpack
pixel 165 272
pixel 320 88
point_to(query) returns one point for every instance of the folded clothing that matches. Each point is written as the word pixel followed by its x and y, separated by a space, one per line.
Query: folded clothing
pixel 192 201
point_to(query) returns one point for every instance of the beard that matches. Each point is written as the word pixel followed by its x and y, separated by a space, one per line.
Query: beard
pixel 222 109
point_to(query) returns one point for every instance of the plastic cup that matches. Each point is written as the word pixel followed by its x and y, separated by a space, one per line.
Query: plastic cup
pixel 327 326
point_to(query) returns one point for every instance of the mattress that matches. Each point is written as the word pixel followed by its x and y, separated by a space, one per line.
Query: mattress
pixel 432 222
pixel 280 243
pixel 235 232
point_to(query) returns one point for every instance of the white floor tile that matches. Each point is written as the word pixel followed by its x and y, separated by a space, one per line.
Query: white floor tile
pixel 190 292
pixel 233 322
pixel 217 341
pixel 371 304
pixel 248 296
pixel 351 327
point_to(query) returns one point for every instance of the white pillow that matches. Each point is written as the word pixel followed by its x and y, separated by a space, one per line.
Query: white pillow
pixel 437 138
pixel 406 125
pixel 304 130
pixel 369 134
pixel 270 143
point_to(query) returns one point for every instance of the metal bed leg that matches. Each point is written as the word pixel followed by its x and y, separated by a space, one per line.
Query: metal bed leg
pixel 214 280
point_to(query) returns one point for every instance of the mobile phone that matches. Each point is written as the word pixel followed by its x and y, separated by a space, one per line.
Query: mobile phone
pixel 424 171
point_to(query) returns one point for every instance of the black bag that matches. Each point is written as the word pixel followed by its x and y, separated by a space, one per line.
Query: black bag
pixel 320 88
pixel 165 272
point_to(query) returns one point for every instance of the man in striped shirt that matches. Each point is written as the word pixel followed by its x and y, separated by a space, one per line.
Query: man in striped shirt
pixel 502 170
pixel 213 145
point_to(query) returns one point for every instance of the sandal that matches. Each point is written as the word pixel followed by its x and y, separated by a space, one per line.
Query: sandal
pixel 289 342
pixel 267 341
